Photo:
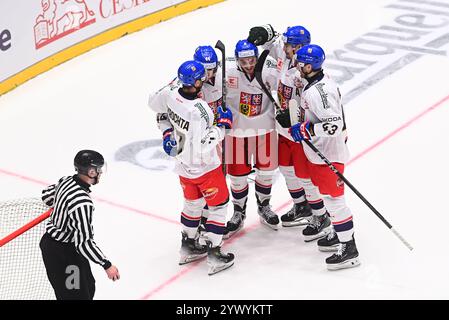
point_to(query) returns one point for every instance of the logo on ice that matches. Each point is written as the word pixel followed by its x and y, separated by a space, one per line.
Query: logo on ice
pixel 60 18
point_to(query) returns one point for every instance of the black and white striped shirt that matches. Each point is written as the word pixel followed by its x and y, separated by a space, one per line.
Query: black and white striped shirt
pixel 71 219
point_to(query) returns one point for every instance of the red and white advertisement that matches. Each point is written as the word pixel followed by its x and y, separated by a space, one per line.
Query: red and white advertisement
pixel 59 18
pixel 33 30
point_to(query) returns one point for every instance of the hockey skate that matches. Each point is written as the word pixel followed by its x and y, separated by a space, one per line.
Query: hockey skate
pixel 216 260
pixel 318 228
pixel 346 257
pixel 236 223
pixel 299 215
pixel 267 216
pixel 329 243
pixel 191 250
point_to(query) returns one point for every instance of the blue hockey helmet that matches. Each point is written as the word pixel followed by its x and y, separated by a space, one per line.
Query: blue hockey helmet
pixel 311 54
pixel 191 71
pixel 296 35
pixel 206 55
pixel 244 49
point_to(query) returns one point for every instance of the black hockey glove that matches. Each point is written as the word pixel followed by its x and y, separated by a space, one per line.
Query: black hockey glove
pixel 260 35
pixel 283 117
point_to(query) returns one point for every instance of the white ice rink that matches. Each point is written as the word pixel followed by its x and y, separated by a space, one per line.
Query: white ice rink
pixel 397 106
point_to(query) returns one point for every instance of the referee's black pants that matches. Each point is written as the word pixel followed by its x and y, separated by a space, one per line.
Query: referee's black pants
pixel 60 259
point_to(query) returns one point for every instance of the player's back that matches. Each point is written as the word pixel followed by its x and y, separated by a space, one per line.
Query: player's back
pixel 191 119
pixel 321 105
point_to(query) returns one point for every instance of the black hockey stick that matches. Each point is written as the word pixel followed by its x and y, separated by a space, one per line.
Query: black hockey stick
pixel 282 116
pixel 338 173
pixel 258 74
pixel 349 184
pixel 220 46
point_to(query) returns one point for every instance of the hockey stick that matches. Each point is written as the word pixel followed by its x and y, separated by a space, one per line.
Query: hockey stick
pixel 332 167
pixel 220 46
pixel 25 228
pixel 258 74
pixel 349 184
pixel 282 116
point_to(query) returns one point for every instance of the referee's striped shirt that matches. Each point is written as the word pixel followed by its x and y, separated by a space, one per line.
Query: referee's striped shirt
pixel 71 219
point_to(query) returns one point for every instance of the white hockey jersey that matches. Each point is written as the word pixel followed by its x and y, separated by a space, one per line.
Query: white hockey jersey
pixel 252 110
pixel 320 104
pixel 192 123
pixel 286 89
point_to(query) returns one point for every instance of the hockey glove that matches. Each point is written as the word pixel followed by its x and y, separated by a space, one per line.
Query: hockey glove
pixel 169 143
pixel 260 35
pixel 224 118
pixel 301 131
pixel 283 118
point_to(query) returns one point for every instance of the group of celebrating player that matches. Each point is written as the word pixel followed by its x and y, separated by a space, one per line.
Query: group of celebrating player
pixel 251 134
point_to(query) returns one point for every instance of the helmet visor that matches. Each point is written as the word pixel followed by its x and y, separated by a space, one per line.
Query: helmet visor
pixel 101 169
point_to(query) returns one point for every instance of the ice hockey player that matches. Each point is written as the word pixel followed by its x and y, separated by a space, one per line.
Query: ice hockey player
pixel 212 93
pixel 321 121
pixel 305 195
pixel 252 138
pixel 191 137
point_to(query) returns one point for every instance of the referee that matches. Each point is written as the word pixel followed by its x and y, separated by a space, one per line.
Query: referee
pixel 68 243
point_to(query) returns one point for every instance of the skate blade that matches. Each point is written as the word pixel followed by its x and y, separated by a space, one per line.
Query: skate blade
pixel 299 223
pixel 214 270
pixel 320 235
pixel 191 258
pixel 351 263
pixel 333 248
pixel 271 226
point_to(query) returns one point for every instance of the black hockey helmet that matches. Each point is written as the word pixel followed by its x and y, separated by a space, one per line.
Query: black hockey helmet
pixel 86 159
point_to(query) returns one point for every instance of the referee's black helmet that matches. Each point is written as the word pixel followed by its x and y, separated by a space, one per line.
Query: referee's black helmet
pixel 86 159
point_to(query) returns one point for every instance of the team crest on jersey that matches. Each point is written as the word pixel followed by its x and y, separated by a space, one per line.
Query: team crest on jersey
pixel 284 94
pixel 250 104
pixel 233 82
pixel 210 193
pixel 213 106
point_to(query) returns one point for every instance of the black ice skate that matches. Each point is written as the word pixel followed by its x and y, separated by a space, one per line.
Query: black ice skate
pixel 329 243
pixel 236 223
pixel 216 260
pixel 267 216
pixel 191 250
pixel 319 227
pixel 299 215
pixel 346 257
